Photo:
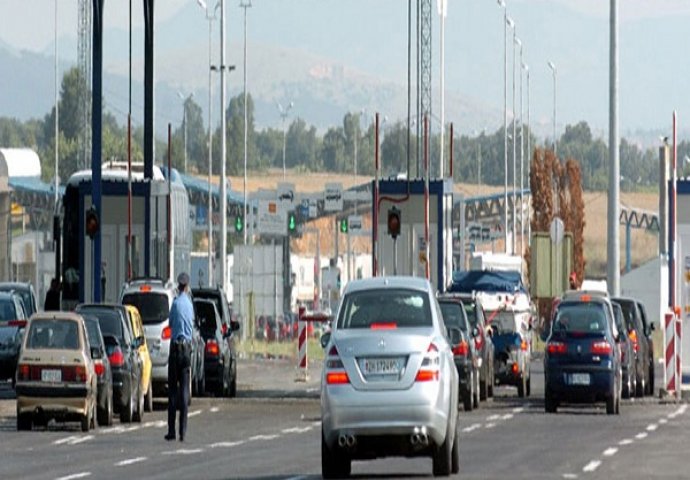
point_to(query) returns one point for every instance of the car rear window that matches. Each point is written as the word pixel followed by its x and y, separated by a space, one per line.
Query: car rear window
pixel 109 321
pixel 207 318
pixel 452 315
pixel 580 318
pixel 93 331
pixel 53 334
pixel 153 307
pixel 618 315
pixel 216 298
pixel 7 310
pixel 392 308
pixel 471 313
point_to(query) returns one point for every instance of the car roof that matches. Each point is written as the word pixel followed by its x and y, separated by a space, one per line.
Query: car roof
pixel 415 283
pixel 53 315
pixel 103 306
pixel 15 285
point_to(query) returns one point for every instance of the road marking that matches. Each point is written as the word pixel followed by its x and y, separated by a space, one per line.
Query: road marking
pixel 65 440
pixel 299 477
pixel 652 427
pixel 609 452
pixel 591 466
pixel 641 435
pixel 74 476
pixel 520 410
pixel 130 461
pixel 312 390
pixel 226 444
pixel 263 437
pixel 184 451
pixel 472 427
pixel 133 428
pixel 507 416
pixel 626 441
pixel 73 440
pixel 112 430
pixel 490 425
pixel 81 440
pixel 214 409
pixel 491 418
pixel 570 475
pixel 194 413
pixel 296 430
pixel 316 424
pixel 663 421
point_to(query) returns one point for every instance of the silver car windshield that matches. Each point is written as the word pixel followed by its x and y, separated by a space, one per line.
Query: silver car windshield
pixel 389 308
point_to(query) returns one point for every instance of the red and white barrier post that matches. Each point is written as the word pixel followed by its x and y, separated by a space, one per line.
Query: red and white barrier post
pixel 302 364
pixel 670 352
pixel 679 351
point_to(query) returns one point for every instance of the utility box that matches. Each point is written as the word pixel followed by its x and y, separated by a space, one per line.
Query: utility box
pixel 550 265
pixel 414 251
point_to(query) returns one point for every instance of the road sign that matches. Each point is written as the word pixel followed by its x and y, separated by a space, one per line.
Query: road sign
pixel 354 223
pixel 286 195
pixel 271 220
pixel 333 197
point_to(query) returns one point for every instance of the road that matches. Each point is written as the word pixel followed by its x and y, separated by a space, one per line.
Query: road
pixel 272 431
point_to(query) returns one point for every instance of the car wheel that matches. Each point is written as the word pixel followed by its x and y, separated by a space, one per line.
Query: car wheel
pixel 522 386
pixel 490 381
pixel 333 463
pixel 109 415
pixel 611 403
pixel 455 454
pixel 139 413
pixel 94 423
pixel 23 422
pixel 233 388
pixel 475 395
pixel 201 386
pixel 442 457
pixel 148 400
pixel 127 412
pixel 529 385
pixel 467 400
pixel 550 404
pixel 627 386
pixel 651 378
pixel 484 386
pixel 641 387
pixel 86 421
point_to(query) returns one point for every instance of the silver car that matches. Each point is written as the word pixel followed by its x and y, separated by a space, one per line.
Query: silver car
pixel 389 385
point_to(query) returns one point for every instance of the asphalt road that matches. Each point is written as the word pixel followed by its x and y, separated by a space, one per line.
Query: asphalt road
pixel 272 431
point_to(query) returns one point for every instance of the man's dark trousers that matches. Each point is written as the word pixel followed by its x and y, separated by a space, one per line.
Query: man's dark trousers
pixel 179 366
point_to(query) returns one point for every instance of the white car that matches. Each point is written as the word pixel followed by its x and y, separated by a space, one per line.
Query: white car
pixel 389 384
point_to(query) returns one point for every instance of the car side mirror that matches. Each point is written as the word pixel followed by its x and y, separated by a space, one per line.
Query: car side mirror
pixel 454 335
pixel 325 339
pixel 234 325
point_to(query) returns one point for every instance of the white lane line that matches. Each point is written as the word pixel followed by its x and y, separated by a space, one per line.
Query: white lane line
pixel 652 427
pixel 75 476
pixel 133 428
pixel 316 424
pixel 183 451
pixel 263 437
pixel 299 477
pixel 520 410
pixel 312 390
pixel 570 475
pixel 490 425
pixel 491 418
pixel 81 440
pixel 472 427
pixel 626 441
pixel 641 435
pixel 130 461
pixel 118 429
pixel 65 440
pixel 507 416
pixel 591 466
pixel 194 413
pixel 682 409
pixel 663 421
pixel 226 444
pixel 296 430
pixel 609 452
pixel 214 409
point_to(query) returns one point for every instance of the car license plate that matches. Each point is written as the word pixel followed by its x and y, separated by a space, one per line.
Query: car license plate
pixel 579 379
pixel 51 375
pixel 382 366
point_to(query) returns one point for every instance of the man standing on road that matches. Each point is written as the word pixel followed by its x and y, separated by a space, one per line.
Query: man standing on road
pixel 53 296
pixel 180 360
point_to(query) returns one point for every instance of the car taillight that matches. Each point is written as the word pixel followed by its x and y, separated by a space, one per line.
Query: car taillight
pixel 384 326
pixel 17 323
pixel 224 329
pixel 166 333
pixel 601 348
pixel 117 359
pixel 212 348
pixel 23 372
pixel 333 362
pixel 461 349
pixel 100 368
pixel 556 348
pixel 523 346
pixel 79 373
pixel 429 371
pixel 337 378
pixel 633 339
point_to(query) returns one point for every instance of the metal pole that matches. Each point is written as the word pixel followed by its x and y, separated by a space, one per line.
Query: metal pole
pixel 245 5
pixel 210 154
pixel 57 116
pixel 613 243
pixel 409 95
pixel 223 155
pixel 442 75
pixel 529 167
pixel 96 146
pixel 552 66
pixel 522 166
pixel 516 41
pixel 284 148
pixel 505 127
pixel 184 120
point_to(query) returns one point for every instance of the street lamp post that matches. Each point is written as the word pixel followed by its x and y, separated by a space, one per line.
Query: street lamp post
pixel 529 164
pixel 245 4
pixel 223 155
pixel 210 19
pixel 523 66
pixel 516 43
pixel 184 124
pixel 283 115
pixel 507 21
pixel 552 66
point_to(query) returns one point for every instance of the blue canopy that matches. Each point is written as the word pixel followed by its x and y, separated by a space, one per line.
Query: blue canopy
pixel 487 281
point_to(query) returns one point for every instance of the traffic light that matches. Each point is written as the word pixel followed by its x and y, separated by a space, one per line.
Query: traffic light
pixel 239 223
pixel 292 222
pixel 394 222
pixel 92 223
pixel 343 225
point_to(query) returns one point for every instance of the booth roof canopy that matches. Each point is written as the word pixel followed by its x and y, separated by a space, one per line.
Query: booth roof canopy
pixel 19 162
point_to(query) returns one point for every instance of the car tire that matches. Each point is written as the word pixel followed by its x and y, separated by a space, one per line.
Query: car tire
pixel 650 381
pixel 611 404
pixel 24 422
pixel 105 415
pixel 641 387
pixel 94 422
pixel 232 391
pixel 148 399
pixel 467 400
pixel 455 454
pixel 550 404
pixel 201 386
pixel 139 412
pixel 529 384
pixel 442 457
pixel 477 390
pixel 522 386
pixel 333 463
pixel 86 422
pixel 627 386
pixel 127 412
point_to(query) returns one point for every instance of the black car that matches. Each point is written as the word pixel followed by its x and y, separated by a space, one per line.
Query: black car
pixel 648 329
pixel 12 324
pixel 228 326
pixel 217 355
pixel 125 362
pixel 104 398
pixel 628 354
pixel 582 359
pixel 464 350
pixel 641 344
pixel 26 292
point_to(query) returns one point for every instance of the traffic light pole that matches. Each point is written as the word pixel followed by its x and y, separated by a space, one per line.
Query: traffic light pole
pixel 395 255
pixel 335 243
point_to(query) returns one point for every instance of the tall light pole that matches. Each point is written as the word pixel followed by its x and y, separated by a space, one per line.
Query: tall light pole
pixel 245 4
pixel 223 155
pixel 184 123
pixel 283 115
pixel 529 165
pixel 552 66
pixel 443 12
pixel 210 19
pixel 506 23
pixel 57 128
pixel 523 66
pixel 613 234
pixel 516 43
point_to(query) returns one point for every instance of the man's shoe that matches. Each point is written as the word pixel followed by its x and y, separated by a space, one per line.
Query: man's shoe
pixel 170 436
pixel 181 438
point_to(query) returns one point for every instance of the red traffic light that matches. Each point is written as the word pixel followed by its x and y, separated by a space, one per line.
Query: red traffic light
pixel 92 223
pixel 394 222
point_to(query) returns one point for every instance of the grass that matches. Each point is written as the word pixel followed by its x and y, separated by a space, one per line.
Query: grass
pixel 287 350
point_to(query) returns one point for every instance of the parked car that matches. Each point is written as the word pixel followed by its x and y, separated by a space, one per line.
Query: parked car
pixel 12 323
pixel 26 292
pixel 125 362
pixel 218 372
pixel 648 329
pixel 146 366
pixel 628 354
pixel 582 360
pixel 389 385
pixel 104 374
pixel 229 327
pixel 56 377
pixel 153 298
pixel 640 342
pixel 465 353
